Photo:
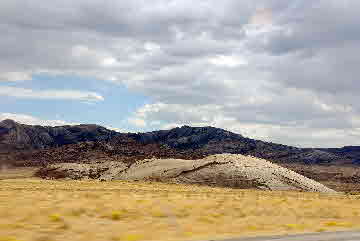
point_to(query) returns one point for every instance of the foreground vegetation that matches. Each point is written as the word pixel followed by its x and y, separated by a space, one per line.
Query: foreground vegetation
pixel 39 210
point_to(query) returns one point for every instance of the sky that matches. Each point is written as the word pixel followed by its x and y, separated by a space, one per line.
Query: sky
pixel 276 70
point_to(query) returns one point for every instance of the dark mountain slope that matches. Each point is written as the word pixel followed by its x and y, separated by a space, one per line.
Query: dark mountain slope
pixel 348 152
pixel 210 140
pixel 180 142
pixel 15 136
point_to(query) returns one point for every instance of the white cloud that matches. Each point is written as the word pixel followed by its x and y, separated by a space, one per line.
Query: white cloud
pixel 15 76
pixel 262 67
pixel 138 122
pixel 152 47
pixel 109 62
pixel 117 129
pixel 262 16
pixel 50 94
pixel 98 58
pixel 31 120
pixel 304 133
pixel 228 61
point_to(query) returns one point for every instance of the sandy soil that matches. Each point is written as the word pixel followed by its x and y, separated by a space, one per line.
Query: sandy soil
pixel 36 210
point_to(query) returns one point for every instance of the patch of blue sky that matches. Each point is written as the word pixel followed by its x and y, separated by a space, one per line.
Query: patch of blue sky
pixel 118 105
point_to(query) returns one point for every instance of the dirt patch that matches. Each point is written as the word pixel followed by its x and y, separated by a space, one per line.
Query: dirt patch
pixel 7 172
pixel 340 178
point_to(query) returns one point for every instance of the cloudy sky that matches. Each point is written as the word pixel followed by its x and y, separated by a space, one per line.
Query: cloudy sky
pixel 277 70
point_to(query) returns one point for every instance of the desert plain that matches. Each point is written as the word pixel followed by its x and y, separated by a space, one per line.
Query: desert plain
pixel 34 209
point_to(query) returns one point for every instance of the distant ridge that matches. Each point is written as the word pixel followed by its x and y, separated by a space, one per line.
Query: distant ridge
pixel 15 136
pixel 181 142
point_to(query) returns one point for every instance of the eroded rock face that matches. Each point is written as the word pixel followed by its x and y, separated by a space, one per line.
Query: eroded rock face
pixel 102 170
pixel 228 170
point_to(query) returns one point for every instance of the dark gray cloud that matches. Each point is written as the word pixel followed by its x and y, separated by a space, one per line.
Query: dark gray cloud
pixel 279 70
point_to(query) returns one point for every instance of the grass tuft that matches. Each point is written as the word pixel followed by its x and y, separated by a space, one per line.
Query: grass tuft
pixel 131 237
pixel 55 218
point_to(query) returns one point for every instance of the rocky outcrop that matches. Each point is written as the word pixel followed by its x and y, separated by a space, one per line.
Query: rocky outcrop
pixel 236 171
pixel 15 136
pixel 103 170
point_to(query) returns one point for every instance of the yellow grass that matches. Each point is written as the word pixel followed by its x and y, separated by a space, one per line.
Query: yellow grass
pixel 39 210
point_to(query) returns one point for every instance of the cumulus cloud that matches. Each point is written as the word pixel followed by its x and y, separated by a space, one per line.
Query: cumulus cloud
pixel 262 16
pixel 31 120
pixel 288 128
pixel 14 76
pixel 137 122
pixel 285 71
pixel 50 94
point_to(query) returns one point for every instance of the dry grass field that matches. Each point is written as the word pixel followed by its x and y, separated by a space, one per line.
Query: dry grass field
pixel 45 210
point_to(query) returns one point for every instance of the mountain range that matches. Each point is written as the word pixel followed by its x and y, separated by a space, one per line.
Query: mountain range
pixel 183 142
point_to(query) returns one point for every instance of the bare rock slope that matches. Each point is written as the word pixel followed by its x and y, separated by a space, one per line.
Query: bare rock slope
pixel 229 170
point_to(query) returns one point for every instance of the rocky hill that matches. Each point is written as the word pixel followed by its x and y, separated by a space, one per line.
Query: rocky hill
pixel 25 145
pixel 37 144
pixel 210 140
pixel 15 136
pixel 227 170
